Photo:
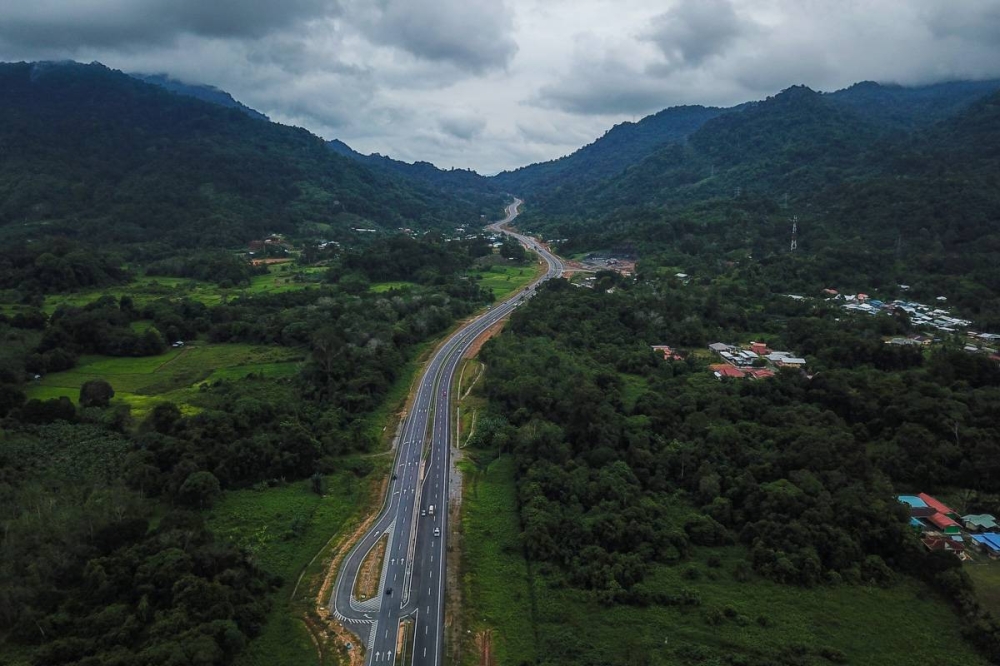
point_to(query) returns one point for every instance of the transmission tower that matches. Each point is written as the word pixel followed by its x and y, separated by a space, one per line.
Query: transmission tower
pixel 795 233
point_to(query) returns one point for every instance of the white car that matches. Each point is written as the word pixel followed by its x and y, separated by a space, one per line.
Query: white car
pixel 437 531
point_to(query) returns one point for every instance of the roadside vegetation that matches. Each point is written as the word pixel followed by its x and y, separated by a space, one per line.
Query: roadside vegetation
pixel 652 502
pixel 225 440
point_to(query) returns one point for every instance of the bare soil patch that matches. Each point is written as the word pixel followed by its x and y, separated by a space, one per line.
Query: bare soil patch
pixel 366 586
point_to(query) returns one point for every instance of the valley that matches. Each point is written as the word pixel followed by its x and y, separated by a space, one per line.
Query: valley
pixel 237 357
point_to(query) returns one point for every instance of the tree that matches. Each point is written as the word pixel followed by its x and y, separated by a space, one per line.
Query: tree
pixel 318 483
pixel 200 490
pixel 96 393
pixel 10 398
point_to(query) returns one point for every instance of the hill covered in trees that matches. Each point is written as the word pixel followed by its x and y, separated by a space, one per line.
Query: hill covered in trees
pixel 897 193
pixel 464 185
pixel 93 153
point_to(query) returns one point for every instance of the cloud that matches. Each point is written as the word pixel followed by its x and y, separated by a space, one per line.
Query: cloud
pixel 493 84
pixel 462 124
pixel 695 30
pixel 41 24
pixel 473 35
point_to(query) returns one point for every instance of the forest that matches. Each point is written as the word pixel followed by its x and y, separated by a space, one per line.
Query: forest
pixel 903 193
pixel 92 153
pixel 104 555
pixel 800 470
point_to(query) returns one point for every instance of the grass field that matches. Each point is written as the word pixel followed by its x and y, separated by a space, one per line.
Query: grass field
pixel 380 287
pixel 900 626
pixel 280 278
pixel 285 527
pixel 504 280
pixel 985 576
pixel 496 587
pixel 173 375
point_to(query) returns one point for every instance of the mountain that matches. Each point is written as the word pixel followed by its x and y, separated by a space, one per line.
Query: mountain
pixel 621 146
pixel 877 204
pixel 205 93
pixel 462 184
pixel 661 142
pixel 95 154
pixel 912 107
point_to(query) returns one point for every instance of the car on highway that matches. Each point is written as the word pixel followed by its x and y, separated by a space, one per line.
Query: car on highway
pixel 437 531
pixel 423 512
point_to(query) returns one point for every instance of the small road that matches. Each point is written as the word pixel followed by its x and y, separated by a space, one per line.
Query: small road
pixel 415 511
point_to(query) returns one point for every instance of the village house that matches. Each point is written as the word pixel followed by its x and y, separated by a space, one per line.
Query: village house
pixel 979 522
pixel 722 370
pixel 668 353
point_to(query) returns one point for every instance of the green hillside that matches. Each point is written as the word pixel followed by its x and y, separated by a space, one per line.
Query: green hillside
pixel 93 153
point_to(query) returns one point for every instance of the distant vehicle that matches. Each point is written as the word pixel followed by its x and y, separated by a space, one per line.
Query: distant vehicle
pixel 388 591
pixel 430 509
pixel 437 531
pixel 394 477
pixel 423 512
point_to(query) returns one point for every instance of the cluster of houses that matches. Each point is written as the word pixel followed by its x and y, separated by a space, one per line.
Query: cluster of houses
pixel 754 361
pixel 271 242
pixel 943 529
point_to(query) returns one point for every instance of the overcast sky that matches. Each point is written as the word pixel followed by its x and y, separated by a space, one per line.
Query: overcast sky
pixel 494 84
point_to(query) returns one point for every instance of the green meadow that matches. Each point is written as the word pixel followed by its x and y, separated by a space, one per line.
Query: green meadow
pixel 284 528
pixel 504 280
pixel 531 618
pixel 280 278
pixel 380 287
pixel 174 375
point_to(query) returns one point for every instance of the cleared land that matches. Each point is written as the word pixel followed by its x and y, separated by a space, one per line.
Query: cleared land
pixel 505 280
pixel 174 375
pixel 531 619
pixel 284 528
pixel 279 278
pixel 986 577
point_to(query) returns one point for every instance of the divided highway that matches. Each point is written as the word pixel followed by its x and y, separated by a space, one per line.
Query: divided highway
pixel 413 573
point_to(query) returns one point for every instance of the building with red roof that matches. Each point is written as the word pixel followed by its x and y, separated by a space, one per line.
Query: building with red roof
pixel 668 353
pixel 944 523
pixel 944 544
pixel 940 507
pixel 760 373
pixel 725 370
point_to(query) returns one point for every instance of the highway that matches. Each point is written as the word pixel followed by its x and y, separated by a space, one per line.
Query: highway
pixel 413 574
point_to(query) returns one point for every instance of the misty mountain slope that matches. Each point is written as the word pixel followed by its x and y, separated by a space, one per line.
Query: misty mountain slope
pixel 793 141
pixel 205 93
pixel 865 112
pixel 94 153
pixel 621 146
pixel 912 107
pixel 465 185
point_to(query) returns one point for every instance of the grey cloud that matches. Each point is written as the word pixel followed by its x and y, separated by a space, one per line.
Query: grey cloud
pixel 50 24
pixel 609 86
pixel 966 20
pixel 695 30
pixel 463 125
pixel 473 35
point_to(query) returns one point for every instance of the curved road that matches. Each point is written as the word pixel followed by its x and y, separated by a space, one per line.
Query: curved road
pixel 413 578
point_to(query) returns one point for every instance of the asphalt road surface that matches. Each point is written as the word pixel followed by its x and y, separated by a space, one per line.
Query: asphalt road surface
pixel 413 578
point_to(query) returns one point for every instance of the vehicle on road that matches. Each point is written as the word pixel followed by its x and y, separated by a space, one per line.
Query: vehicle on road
pixel 437 531
pixel 423 512
pixel 388 591
pixel 430 509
